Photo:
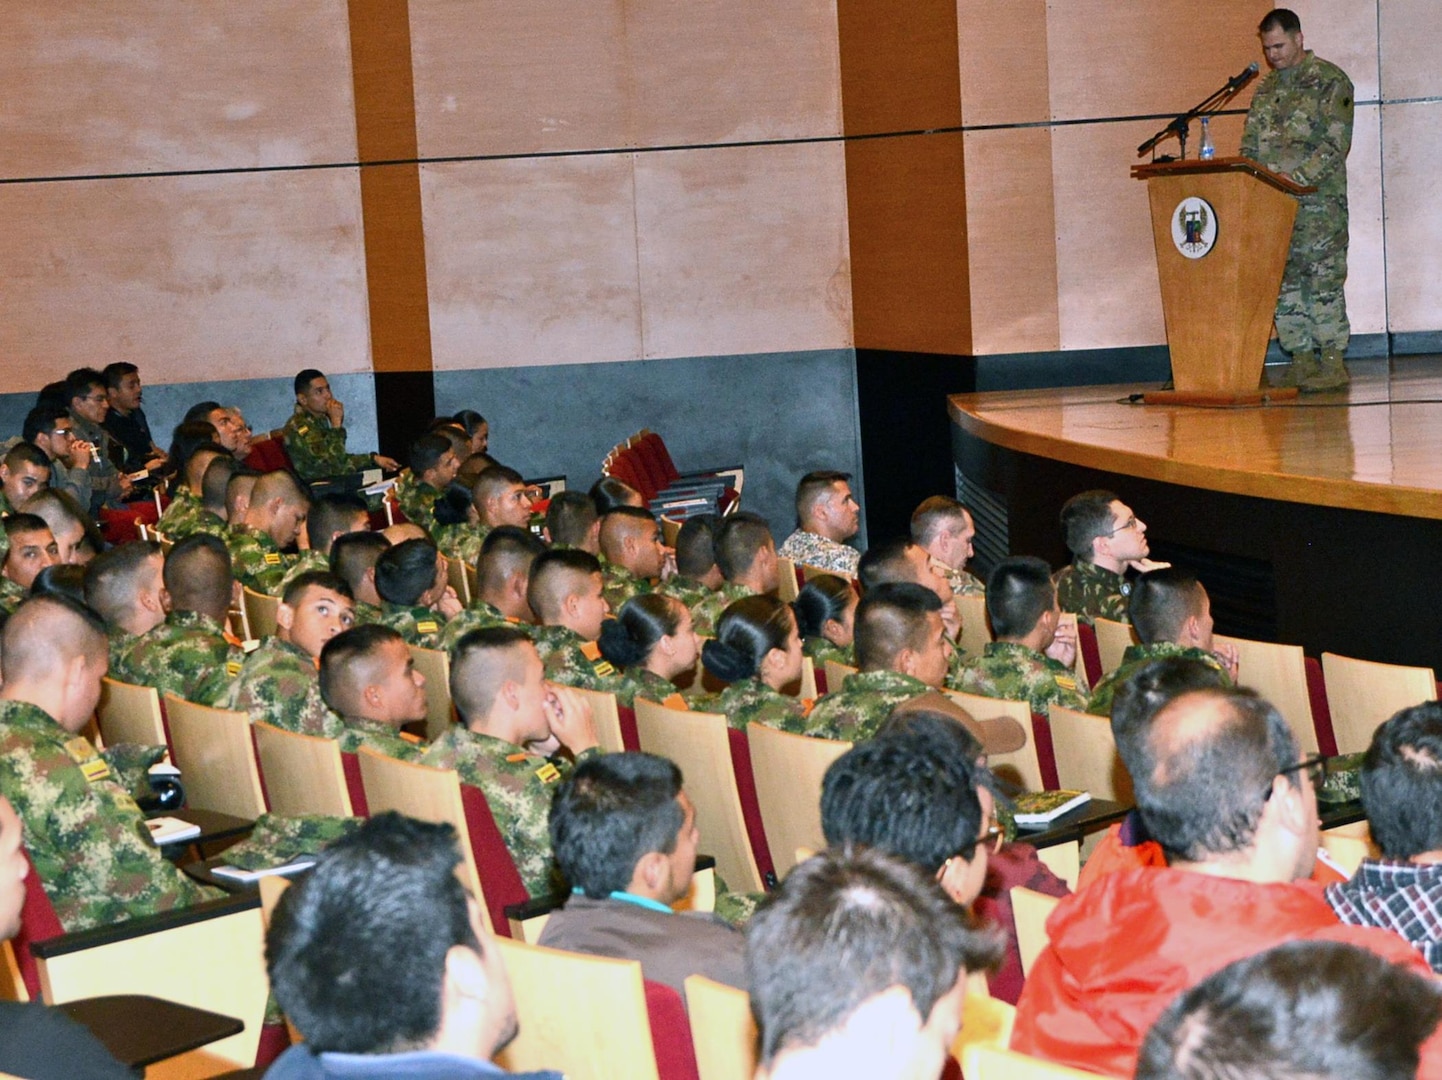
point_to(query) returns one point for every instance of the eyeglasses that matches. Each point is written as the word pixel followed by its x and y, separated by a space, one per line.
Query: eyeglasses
pixel 1129 523
pixel 993 838
pixel 1315 767
pixel 64 432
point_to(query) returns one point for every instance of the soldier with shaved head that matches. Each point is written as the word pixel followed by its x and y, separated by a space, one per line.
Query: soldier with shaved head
pixel 270 524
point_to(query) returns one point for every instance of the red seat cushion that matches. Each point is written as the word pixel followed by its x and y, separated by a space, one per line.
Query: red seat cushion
pixel 350 763
pixel 268 455
pixel 630 736
pixel 670 1033
pixel 1321 711
pixel 38 922
pixel 1086 638
pixel 750 806
pixel 1045 752
pixel 500 880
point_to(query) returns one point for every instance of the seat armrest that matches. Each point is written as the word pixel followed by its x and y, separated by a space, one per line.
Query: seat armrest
pixel 80 940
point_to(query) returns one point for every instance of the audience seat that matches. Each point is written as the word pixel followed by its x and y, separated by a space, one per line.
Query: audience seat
pixel 1086 755
pixel 1024 764
pixel 788 770
pixel 1089 653
pixel 1030 909
pixel 130 714
pixel 269 454
pixel 435 665
pixel 986 1062
pixel 606 714
pixel 1112 641
pixel 260 612
pixel 1362 694
pixel 788 581
pixel 723 1030
pixel 975 630
pixel 1279 674
pixel 215 752
pixel 1321 711
pixel 304 774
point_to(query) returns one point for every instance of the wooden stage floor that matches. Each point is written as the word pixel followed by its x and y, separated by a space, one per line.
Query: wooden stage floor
pixel 1376 446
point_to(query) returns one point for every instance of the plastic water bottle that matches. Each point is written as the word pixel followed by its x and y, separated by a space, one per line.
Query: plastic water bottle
pixel 1208 150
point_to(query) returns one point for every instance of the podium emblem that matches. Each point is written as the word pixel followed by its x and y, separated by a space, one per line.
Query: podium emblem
pixel 1194 227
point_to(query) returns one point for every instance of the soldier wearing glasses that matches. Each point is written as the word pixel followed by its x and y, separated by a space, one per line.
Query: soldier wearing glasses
pixel 1106 540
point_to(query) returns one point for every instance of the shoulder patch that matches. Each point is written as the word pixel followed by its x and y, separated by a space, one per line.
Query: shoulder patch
pixel 95 769
pixel 427 626
pixel 591 651
pixel 1066 682
pixel 272 559
pixel 232 668
pixel 548 773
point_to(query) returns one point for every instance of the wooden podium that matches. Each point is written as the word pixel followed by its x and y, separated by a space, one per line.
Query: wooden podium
pixel 1222 230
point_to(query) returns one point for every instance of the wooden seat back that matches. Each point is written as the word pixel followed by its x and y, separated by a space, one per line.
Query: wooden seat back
pixel 130 714
pixel 1023 764
pixel 983 1061
pixel 303 773
pixel 1113 638
pixel 975 630
pixel 1363 694
pixel 1086 755
pixel 459 579
pixel 786 584
pixel 260 612
pixel 215 752
pixel 435 665
pixel 1279 674
pixel 607 717
pixel 1031 910
pixel 722 1029
pixel 788 770
pixel 836 674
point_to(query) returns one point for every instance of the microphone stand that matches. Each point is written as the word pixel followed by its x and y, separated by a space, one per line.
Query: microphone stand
pixel 1182 124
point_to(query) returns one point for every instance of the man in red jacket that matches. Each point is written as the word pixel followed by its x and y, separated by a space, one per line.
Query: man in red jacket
pixel 1221 788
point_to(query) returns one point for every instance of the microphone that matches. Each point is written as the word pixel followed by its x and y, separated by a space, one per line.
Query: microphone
pixel 1236 82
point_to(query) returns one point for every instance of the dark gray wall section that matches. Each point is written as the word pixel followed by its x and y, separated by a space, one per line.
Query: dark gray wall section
pixel 779 414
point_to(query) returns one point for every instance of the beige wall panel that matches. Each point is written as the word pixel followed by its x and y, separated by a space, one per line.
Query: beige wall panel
pixel 1106 262
pixel 1011 230
pixel 1144 56
pixel 743 249
pixel 1411 42
pixel 199 277
pixel 100 86
pixel 708 71
pixel 1345 32
pixel 1412 161
pixel 1003 61
pixel 531 261
pixel 500 77
pixel 1366 275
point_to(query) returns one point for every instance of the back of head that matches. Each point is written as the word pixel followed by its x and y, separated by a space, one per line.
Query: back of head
pixel 934 515
pixel 215 484
pixel 813 487
pixel 238 490
pixel 346 665
pixel 506 551
pixel 1162 601
pixel 1308 1010
pixel 1018 593
pixel 627 640
pixel 426 452
pixel 886 563
pixel 696 545
pixel 41 420
pixel 354 553
pixel 824 597
pixel 198 575
pixel 906 794
pixel 114 578
pixel 189 437
pixel 748 629
pixel 891 618
pixel 1402 782
pixel 406 571
pixel 608 493
pixel 1282 19
pixel 620 523
pixel 569 518
pixel 60 579
pixel 608 813
pixel 334 515
pixel 741 537
pixel 481 662
pixel 844 927
pixel 1084 517
pixel 63 513
pixel 555 575
pixel 45 634
pixel 350 962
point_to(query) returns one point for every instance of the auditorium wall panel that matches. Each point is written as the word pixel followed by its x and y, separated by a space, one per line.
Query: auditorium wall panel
pixel 898 71
pixel 1411 38
pixel 1412 156
pixel 1366 252
pixel 1345 32
pixel 1003 58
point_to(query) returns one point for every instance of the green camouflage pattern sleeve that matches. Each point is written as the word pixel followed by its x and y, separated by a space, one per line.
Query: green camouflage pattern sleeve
pixel 1089 592
pixel 685 589
pixel 863 703
pixel 84 833
pixel 417 501
pixel 256 560
pixel 381 738
pixel 619 585
pixel 1015 673
pixel 1136 657
pixel 176 520
pixel 460 542
pixel 417 625
pixel 188 655
pixel 316 449
pixel 751 701
pixel 11 595
pixel 279 685
pixel 302 563
pixel 1300 124
pixel 572 661
pixel 706 614
pixel 820 650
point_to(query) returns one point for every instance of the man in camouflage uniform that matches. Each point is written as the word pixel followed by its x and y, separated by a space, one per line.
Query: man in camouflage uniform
pixel 314 436
pixel 499 496
pixel 1172 615
pixel 416 600
pixel 828 515
pixel 123 587
pixel 31 548
pixel 272 521
pixel 1035 648
pixel 353 559
pixel 25 471
pixel 572 521
pixel 513 727
pixel 190 654
pixel 902 650
pixel 944 528
pixel 697 576
pixel 502 583
pixel 433 465
pixel 897 561
pixel 632 552
pixel 369 678
pixel 329 516
pixel 1300 125
pixel 1106 540
pixel 187 507
pixel 85 835
pixel 565 593
pixel 746 556
pixel 213 517
pixel 279 682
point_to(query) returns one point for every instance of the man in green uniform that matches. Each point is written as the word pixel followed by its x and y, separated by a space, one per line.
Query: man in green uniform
pixel 1035 648
pixel 1106 539
pixel 31 549
pixel 369 679
pixel 746 557
pixel 329 516
pixel 433 465
pixel 270 524
pixel 898 560
pixel 1172 615
pixel 85 835
pixel 572 522
pixel 353 559
pixel 632 552
pixel 697 575
pixel 124 587
pixel 24 471
pixel 416 598
pixel 187 509
pixel 314 436
pixel 1300 125
pixel 499 497
pixel 564 591
pixel 944 528
pixel 190 654
pixel 514 724
pixel 502 582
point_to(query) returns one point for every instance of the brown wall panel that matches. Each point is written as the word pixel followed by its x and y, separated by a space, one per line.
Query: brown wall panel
pixel 1011 232
pixel 532 261
pixel 195 278
pixel 1366 274
pixel 743 250
pixel 99 86
pixel 1344 32
pixel 499 77
pixel 1411 40
pixel 1004 78
pixel 1412 160
pixel 899 68
pixel 910 277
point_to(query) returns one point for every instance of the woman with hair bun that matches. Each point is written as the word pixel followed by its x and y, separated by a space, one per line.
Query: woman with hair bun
pixel 825 616
pixel 650 641
pixel 758 651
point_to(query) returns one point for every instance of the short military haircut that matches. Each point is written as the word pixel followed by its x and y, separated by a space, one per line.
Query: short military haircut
pixel 216 481
pixel 608 493
pixel 117 371
pixel 555 575
pixel 304 378
pixel 1283 19
pixel 26 453
pixel 426 452
pixel 281 484
pixel 815 486
pixel 845 926
pixel 621 522
pixel 314 579
pixel 481 662
pixel 353 966
pixel 333 515
pixel 933 515
pixel 113 578
pixel 1300 1011
pixel 1161 603
pixel 198 574
pixel 1018 593
pixel 21 523
pixel 696 545
pixel 506 551
pixel 200 412
pixel 569 518
pixel 47 632
pixel 886 563
pixel 493 481
pixel 1402 782
pixel 1084 517
pixel 41 420
pixel 611 811
pixel 81 381
pixel 406 571
pixel 345 664
pixel 905 794
pixel 891 618
pixel 354 553
pixel 741 537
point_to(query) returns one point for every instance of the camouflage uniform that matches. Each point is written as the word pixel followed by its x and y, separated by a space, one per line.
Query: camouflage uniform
pixel 812 549
pixel 119 642
pixel 685 589
pixel 637 682
pixel 752 701
pixel 518 788
pixel 1135 658
pixel 256 560
pixel 1012 671
pixel 303 562
pixel 573 661
pixel 387 740
pixel 206 521
pixel 6 509
pixel 11 595
pixel 862 705
pixel 1090 591
pixel 419 625
pixel 417 500
pixel 187 655
pixel 706 614
pixel 820 650
pixel 618 585
pixel 316 449
pixel 184 507
pixel 963 583
pixel 477 617
pixel 84 833
pixel 366 614
pixel 1300 123
pixel 460 542
pixel 279 684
